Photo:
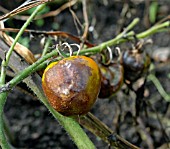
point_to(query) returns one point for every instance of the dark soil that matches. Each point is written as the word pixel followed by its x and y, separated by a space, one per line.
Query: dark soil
pixel 34 127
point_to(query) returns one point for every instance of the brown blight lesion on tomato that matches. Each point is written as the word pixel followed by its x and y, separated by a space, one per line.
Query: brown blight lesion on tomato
pixel 136 63
pixel 112 79
pixel 72 85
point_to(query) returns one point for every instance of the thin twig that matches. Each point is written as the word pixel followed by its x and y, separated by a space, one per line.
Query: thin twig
pixel 45 50
pixel 86 20
pixel 19 48
pixel 58 11
pixel 76 21
pixel 86 23
pixel 49 14
pixel 98 128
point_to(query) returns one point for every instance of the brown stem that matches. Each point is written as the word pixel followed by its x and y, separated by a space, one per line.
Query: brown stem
pixel 98 128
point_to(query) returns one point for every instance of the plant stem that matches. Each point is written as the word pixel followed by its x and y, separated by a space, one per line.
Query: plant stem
pixel 29 70
pixel 39 8
pixel 3 141
pixel 111 42
pixel 119 39
pixel 159 87
pixel 47 44
pixel 153 30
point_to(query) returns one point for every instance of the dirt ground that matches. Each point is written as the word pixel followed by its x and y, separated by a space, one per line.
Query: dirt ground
pixel 33 127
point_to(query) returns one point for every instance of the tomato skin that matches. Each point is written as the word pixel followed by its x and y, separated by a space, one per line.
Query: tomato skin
pixel 72 85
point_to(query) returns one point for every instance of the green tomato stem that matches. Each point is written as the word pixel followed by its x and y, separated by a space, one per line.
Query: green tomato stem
pixel 47 44
pixel 153 30
pixel 159 87
pixel 3 141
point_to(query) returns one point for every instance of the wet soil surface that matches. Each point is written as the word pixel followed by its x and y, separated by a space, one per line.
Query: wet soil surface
pixel 32 125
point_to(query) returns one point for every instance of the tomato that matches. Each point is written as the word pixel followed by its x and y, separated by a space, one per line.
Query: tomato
pixel 112 79
pixel 135 63
pixel 72 85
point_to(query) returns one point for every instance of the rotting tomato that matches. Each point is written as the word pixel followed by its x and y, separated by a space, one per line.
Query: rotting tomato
pixel 112 79
pixel 136 63
pixel 72 85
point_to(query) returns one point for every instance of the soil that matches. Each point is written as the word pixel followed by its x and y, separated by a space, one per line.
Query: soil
pixel 33 127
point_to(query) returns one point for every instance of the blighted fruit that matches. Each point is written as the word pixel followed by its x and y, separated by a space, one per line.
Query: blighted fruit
pixel 112 79
pixel 135 63
pixel 72 85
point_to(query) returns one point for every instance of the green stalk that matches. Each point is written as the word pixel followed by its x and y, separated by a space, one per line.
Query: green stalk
pixel 3 141
pixel 45 50
pixel 111 42
pixel 119 39
pixel 29 70
pixel 39 8
pixel 159 87
pixel 153 30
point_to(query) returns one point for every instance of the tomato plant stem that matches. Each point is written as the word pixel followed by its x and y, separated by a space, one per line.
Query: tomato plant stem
pixel 159 87
pixel 153 30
